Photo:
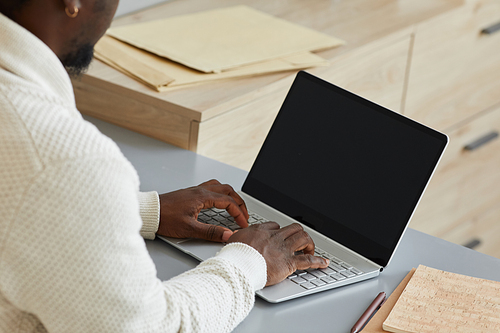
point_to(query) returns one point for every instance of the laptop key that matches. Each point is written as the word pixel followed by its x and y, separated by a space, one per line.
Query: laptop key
pixel 204 218
pixel 319 253
pixel 337 276
pixel 327 255
pixel 317 273
pixel 356 271
pixel 308 277
pixel 210 213
pixel 335 260
pixel 328 279
pixel 336 267
pixel 298 280
pixel 308 285
pixel 348 273
pixel 327 270
pixel 346 265
pixel 220 218
pixel 318 282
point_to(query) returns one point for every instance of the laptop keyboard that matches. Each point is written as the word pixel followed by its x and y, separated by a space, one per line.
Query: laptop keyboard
pixel 222 218
pixel 338 270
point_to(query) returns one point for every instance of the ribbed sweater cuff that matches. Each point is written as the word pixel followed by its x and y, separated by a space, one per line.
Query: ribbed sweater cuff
pixel 249 260
pixel 149 206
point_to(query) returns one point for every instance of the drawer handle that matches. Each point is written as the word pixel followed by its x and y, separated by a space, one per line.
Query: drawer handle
pixel 481 141
pixel 473 243
pixel 491 29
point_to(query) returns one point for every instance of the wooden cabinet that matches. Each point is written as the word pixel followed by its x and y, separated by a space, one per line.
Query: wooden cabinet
pixel 455 69
pixel 454 86
pixel 483 231
pixel 467 182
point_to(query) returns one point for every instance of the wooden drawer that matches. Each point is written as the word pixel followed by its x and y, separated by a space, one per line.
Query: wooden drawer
pixel 376 72
pixel 466 182
pixel 455 69
pixel 484 229
pixel 132 113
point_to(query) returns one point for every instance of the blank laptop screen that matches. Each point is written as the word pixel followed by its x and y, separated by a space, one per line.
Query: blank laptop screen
pixel 344 166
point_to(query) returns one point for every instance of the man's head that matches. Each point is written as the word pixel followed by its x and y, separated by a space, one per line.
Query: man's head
pixel 69 27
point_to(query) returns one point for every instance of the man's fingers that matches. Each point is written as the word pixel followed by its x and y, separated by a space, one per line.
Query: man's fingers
pixel 211 232
pixel 305 261
pixel 300 241
pixel 228 190
pixel 222 201
pixel 290 230
pixel 217 187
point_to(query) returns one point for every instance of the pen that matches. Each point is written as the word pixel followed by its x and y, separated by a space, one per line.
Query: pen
pixel 377 302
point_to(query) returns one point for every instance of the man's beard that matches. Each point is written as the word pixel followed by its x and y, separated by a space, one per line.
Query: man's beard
pixel 77 62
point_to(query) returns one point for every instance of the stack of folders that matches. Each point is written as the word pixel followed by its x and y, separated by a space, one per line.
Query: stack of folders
pixel 430 300
pixel 219 44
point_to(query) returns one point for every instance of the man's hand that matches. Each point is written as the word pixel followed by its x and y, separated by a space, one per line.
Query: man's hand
pixel 179 211
pixel 279 247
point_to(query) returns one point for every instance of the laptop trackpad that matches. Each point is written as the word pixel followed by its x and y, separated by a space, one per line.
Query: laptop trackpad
pixel 201 249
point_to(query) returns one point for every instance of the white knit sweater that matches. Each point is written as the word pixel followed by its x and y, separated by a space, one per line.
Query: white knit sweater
pixel 72 258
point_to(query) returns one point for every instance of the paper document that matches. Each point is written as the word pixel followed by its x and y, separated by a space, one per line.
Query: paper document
pixel 223 39
pixel 161 74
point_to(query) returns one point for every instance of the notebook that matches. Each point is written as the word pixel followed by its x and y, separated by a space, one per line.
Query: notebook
pixel 350 171
pixel 440 301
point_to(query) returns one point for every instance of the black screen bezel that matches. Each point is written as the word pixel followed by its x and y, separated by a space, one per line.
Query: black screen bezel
pixel 345 236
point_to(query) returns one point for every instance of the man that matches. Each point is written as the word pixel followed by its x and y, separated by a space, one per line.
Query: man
pixel 71 215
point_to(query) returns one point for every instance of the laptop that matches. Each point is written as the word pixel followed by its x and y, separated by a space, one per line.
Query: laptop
pixel 350 171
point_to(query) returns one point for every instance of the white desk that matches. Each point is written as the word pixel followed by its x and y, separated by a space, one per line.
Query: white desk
pixel 163 167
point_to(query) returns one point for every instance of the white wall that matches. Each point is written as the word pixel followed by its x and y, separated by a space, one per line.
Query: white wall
pixel 129 6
